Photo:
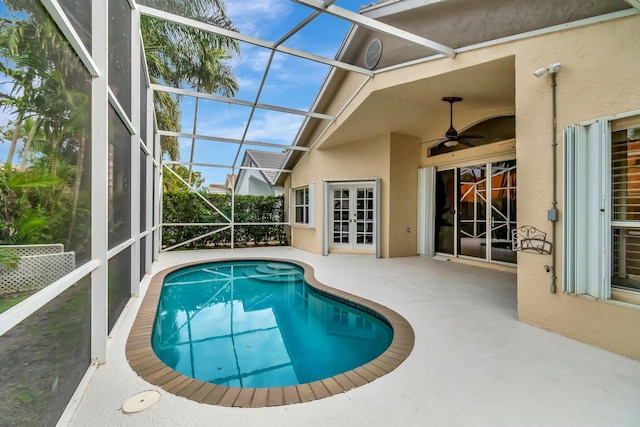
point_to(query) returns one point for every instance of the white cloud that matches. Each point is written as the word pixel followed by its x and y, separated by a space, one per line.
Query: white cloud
pixel 254 18
pixel 272 126
pixel 255 59
pixel 266 126
pixel 222 120
pixel 248 85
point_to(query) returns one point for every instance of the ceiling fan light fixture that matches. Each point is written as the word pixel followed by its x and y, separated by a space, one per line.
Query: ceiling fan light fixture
pixel 451 137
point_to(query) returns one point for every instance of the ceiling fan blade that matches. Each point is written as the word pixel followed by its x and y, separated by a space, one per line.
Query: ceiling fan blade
pixel 463 141
pixel 470 136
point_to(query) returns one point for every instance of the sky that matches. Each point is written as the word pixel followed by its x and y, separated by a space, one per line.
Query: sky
pixel 291 82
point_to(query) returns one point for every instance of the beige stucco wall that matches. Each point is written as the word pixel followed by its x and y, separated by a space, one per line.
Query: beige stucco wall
pixel 361 160
pixel 600 77
pixel 402 210
pixel 394 158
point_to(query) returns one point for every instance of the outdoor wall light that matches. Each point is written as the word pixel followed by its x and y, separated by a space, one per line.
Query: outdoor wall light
pixel 551 69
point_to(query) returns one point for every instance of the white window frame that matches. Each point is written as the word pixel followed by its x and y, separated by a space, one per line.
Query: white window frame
pixel 308 207
pixel 587 226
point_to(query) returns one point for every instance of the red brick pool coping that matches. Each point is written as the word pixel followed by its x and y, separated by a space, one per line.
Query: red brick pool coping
pixel 144 361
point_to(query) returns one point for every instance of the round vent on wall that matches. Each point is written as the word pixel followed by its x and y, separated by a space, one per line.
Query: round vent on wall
pixel 373 53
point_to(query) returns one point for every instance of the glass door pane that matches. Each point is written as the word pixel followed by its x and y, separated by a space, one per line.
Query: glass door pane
pixel 472 211
pixel 503 210
pixel 364 216
pixel 340 216
pixel 445 212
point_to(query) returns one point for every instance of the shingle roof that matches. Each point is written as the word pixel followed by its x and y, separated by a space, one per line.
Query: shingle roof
pixel 267 159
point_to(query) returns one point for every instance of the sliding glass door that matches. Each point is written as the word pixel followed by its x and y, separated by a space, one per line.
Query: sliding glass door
pixel 476 211
pixel 472 216
pixel 503 210
pixel 445 230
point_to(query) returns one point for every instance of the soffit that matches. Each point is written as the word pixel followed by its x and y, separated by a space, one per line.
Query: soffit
pixel 460 23
pixel 416 108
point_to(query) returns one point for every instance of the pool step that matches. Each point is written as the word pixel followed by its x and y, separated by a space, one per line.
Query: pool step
pixel 274 272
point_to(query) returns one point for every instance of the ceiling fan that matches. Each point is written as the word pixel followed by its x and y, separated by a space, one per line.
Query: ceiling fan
pixel 451 137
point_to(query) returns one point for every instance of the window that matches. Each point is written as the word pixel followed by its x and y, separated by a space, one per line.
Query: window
pixel 601 232
pixel 625 205
pixel 304 205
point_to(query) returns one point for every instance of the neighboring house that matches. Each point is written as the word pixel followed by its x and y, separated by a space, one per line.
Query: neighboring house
pixel 225 188
pixel 380 180
pixel 260 182
pixel 230 181
pixel 217 189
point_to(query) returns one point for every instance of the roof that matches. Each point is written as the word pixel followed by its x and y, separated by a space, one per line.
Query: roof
pixel 217 189
pixel 269 160
pixel 461 24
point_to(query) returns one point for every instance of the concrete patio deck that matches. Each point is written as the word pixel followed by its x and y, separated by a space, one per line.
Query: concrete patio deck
pixel 473 363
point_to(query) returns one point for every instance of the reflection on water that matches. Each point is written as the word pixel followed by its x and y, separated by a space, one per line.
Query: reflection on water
pixel 257 324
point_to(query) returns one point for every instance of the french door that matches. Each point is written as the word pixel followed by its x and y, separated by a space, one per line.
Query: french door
pixel 476 211
pixel 352 216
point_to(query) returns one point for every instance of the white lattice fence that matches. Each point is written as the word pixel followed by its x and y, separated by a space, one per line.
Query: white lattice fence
pixel 39 266
pixel 27 250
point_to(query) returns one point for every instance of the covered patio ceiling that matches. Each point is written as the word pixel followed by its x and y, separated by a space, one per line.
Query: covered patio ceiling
pixel 417 110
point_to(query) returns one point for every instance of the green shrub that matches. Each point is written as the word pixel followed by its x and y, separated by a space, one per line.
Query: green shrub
pixel 188 207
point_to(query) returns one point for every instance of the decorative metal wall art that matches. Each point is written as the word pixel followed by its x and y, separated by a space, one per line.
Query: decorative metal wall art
pixel 529 239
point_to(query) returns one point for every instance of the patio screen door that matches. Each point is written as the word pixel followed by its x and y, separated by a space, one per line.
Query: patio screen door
pixel 352 216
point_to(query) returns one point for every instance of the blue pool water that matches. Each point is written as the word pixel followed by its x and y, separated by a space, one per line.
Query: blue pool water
pixel 258 324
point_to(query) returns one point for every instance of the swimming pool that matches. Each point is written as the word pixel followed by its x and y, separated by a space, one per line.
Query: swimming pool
pixel 186 365
pixel 258 324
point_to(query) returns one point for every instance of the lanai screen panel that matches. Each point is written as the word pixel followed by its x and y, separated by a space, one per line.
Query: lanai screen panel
pixel 282 52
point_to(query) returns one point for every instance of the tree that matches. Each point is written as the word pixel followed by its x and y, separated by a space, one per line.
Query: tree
pixel 181 56
pixel 36 59
pixel 170 182
pixel 47 95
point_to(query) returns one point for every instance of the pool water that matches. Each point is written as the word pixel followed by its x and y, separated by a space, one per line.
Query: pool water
pixel 258 324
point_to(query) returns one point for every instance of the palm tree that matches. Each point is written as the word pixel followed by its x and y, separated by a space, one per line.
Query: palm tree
pixel 32 129
pixel 49 97
pixel 33 55
pixel 181 56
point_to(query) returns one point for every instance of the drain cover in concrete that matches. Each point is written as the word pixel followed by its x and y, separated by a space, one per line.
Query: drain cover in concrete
pixel 140 402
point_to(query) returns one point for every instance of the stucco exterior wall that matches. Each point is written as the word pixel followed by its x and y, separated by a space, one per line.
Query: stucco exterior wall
pixel 598 79
pixel 402 214
pixel 360 160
